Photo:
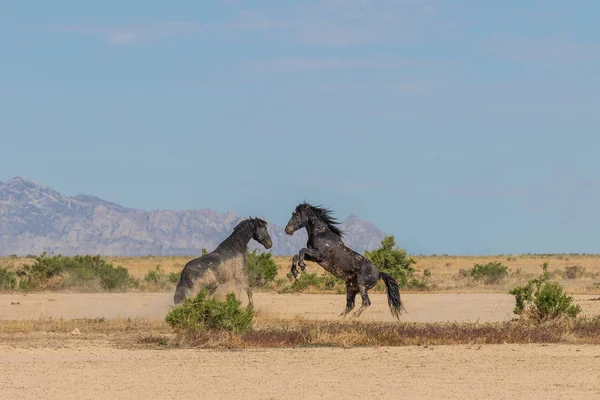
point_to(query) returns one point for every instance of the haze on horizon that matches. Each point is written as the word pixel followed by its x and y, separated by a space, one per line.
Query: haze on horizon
pixel 460 128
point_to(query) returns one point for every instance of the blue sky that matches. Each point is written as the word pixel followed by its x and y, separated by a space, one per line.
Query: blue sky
pixel 459 127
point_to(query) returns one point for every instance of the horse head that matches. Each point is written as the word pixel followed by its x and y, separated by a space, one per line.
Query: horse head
pixel 299 219
pixel 261 234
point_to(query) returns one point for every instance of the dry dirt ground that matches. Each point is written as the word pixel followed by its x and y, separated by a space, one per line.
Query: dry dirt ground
pixel 438 307
pixel 444 372
pixel 93 368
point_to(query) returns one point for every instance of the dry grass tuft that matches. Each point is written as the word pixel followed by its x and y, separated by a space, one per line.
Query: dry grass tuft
pixel 93 325
pixel 268 333
pixel 277 333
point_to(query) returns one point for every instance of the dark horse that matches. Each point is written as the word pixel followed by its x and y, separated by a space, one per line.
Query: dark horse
pixel 226 263
pixel 325 247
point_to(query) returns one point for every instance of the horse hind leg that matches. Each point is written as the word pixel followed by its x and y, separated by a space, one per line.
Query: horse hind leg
pixel 366 302
pixel 351 292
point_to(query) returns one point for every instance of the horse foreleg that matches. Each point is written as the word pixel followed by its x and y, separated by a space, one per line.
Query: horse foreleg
pixel 249 293
pixel 313 254
pixel 294 269
pixel 351 292
pixel 366 302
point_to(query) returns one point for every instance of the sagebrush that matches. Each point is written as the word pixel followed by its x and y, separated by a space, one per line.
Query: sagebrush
pixel 59 272
pixel 541 299
pixel 491 273
pixel 396 262
pixel 205 313
pixel 261 268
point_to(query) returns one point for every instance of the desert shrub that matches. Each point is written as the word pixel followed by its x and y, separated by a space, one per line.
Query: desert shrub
pixel 157 278
pixel 574 272
pixel 174 277
pixel 326 282
pixel 112 278
pixel 491 273
pixel 418 284
pixel 542 299
pixel 204 313
pixel 261 268
pixel 395 261
pixel 304 282
pixel 8 279
pixel 517 274
pixel 77 271
pixel 204 251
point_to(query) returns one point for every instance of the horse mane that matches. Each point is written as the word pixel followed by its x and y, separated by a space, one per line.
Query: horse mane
pixel 255 222
pixel 323 214
pixel 237 240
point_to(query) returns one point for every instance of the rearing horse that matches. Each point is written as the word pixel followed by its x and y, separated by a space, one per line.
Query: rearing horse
pixel 326 248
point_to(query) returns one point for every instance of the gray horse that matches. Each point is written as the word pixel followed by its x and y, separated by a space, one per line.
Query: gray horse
pixel 227 263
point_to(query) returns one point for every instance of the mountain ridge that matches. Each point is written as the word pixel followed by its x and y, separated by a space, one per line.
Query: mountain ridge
pixel 36 218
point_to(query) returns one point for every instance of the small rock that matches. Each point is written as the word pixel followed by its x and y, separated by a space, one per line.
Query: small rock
pixel 14 303
pixel 75 332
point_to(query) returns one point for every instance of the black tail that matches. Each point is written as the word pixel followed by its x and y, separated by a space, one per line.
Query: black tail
pixel 393 294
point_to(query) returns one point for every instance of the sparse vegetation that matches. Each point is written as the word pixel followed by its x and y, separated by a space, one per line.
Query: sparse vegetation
pixel 158 279
pixel 542 300
pixel 446 274
pixel 311 281
pixel 82 272
pixel 491 273
pixel 286 333
pixel 202 313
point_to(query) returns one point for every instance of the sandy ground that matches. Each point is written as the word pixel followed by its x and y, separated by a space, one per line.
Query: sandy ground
pixel 96 369
pixel 421 307
pixel 444 372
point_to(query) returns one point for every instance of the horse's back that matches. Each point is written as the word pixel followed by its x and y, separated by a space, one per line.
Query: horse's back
pixel 219 266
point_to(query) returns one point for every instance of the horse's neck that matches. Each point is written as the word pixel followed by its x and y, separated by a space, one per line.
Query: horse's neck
pixel 237 241
pixel 316 227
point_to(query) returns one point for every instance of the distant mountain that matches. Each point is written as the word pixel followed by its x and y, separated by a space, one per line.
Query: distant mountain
pixel 36 218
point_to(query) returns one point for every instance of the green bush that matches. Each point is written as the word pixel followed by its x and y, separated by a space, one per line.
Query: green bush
pixel 304 282
pixel 327 281
pixel 392 260
pixel 261 268
pixel 112 278
pixel 491 273
pixel 77 271
pixel 174 277
pixel 203 313
pixel 542 299
pixel 418 284
pixel 8 279
pixel 159 279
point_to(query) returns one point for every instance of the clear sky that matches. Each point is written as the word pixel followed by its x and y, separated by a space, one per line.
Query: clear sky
pixel 458 126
